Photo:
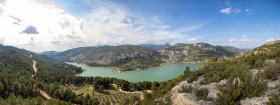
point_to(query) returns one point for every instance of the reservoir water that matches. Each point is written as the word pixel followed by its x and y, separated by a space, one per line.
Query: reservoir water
pixel 165 72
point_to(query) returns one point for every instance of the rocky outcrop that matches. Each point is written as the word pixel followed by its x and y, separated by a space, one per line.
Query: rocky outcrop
pixel 173 56
pixel 190 98
pixel 198 52
pixel 272 42
pixel 267 47
pixel 109 57
pixel 125 57
pixel 255 101
pixel 272 90
pixel 270 62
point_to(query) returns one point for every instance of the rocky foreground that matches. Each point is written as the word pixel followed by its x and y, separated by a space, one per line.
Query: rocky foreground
pixel 179 98
pixel 190 98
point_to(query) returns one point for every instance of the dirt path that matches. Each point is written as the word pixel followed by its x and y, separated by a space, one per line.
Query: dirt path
pixel 134 92
pixel 34 67
pixel 45 95
pixel 42 93
pixel 149 91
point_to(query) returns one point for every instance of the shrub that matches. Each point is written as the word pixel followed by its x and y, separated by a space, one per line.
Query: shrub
pixel 230 94
pixel 273 101
pixel 186 89
pixel 233 92
pixel 202 94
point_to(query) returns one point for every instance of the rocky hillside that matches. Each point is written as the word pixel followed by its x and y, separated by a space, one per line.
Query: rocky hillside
pixel 130 57
pixel 241 51
pixel 194 52
pixel 155 47
pixel 267 47
pixel 255 81
pixel 125 57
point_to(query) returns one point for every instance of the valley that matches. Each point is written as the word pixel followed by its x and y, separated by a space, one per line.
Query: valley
pixel 165 72
pixel 139 52
pixel 256 79
pixel 133 57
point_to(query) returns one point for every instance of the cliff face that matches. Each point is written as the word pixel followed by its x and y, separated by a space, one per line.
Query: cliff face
pixel 194 52
pixel 126 57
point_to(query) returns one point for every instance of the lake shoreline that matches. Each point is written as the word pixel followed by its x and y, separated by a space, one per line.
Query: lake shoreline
pixel 119 71
pixel 167 71
pixel 77 74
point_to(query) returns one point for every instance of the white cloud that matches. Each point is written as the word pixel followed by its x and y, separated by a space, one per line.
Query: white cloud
pixel 227 2
pixel 237 11
pixel 245 39
pixel 231 40
pixel 190 28
pixel 58 30
pixel 244 42
pixel 247 10
pixel 191 39
pixel 230 10
pixel 270 39
pixel 226 10
pixel 46 23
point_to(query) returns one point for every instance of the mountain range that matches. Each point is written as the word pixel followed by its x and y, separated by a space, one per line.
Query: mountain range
pixel 254 79
pixel 135 57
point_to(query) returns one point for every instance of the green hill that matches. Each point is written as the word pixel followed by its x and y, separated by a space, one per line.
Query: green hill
pixel 130 57
pixel 252 77
pixel 19 85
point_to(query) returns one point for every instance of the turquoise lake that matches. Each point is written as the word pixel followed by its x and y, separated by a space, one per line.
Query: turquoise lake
pixel 165 72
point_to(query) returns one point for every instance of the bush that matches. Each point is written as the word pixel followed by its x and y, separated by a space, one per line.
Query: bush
pixel 273 101
pixel 202 94
pixel 233 92
pixel 230 94
pixel 272 72
pixel 106 92
pixel 186 89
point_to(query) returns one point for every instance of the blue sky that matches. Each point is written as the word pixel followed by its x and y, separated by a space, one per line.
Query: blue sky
pixel 239 23
pixel 260 23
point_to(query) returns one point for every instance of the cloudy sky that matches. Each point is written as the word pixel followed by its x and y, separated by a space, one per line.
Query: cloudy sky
pixel 44 25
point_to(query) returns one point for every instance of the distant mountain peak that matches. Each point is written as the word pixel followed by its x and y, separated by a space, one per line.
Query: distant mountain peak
pixel 202 45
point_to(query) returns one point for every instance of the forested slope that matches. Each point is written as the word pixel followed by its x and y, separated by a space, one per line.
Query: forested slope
pixel 17 86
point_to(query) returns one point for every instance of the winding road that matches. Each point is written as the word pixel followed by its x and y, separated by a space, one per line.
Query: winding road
pixel 34 67
pixel 42 93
